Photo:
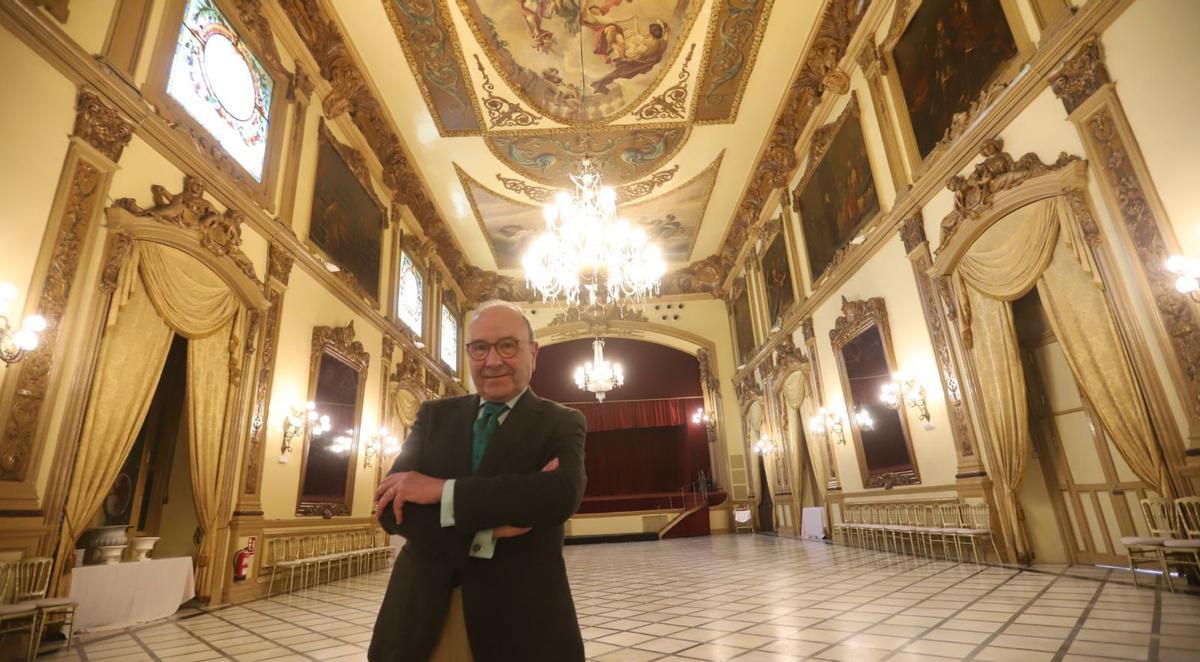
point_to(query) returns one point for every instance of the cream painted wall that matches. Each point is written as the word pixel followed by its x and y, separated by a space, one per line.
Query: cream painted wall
pixel 889 275
pixel 88 23
pixel 308 304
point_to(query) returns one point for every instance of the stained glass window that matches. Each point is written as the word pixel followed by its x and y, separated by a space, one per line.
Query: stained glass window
pixel 412 294
pixel 222 85
pixel 449 338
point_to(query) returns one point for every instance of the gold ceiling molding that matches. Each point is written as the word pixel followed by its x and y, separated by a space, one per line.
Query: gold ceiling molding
pixel 599 315
pixel 735 32
pixel 701 276
pixel 101 126
pixel 434 53
pixel 1081 76
pixel 838 23
pixel 625 193
pixel 502 113
pixel 251 16
pixel 672 103
pixel 325 42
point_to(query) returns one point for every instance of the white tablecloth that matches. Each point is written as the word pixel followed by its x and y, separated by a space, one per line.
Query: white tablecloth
pixel 812 523
pixel 120 595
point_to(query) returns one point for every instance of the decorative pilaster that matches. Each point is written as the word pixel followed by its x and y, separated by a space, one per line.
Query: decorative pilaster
pixel 279 269
pixel 970 465
pixel 1085 88
pixel 810 348
pixel 99 137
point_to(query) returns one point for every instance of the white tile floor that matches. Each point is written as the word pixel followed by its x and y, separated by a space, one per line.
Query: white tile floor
pixel 745 597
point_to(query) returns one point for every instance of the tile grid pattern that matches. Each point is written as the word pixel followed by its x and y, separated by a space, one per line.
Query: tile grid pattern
pixel 743 598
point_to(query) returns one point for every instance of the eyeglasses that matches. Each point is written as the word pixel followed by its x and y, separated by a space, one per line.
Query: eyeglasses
pixel 505 347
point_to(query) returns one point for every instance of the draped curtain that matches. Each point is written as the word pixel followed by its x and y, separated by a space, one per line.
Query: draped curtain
pixel 795 398
pixel 602 417
pixel 160 291
pixel 1040 245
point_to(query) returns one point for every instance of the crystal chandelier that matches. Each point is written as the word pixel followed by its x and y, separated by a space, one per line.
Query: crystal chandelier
pixel 599 376
pixel 587 248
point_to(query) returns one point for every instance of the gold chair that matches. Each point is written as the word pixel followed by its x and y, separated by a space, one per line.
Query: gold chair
pixel 1184 551
pixel 1160 518
pixel 18 617
pixel 33 580
pixel 283 557
pixel 977 527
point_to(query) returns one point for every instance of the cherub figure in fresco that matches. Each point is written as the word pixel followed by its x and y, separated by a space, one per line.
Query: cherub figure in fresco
pixel 533 11
pixel 631 51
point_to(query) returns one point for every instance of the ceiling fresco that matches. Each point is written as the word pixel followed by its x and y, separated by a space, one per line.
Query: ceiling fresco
pixel 671 219
pixel 621 154
pixel 492 101
pixel 625 47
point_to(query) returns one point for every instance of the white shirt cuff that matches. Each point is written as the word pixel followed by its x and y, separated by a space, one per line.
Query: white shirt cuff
pixel 482 547
pixel 448 503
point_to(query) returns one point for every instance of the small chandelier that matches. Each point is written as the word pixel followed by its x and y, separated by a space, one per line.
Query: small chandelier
pixel 587 248
pixel 599 376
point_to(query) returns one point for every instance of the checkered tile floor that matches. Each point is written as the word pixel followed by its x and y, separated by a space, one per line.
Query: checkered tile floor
pixel 740 598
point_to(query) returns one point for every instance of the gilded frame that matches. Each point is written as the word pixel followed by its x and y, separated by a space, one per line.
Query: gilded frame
pixel 780 229
pixel 338 342
pixel 155 90
pixel 358 165
pixel 903 14
pixel 857 317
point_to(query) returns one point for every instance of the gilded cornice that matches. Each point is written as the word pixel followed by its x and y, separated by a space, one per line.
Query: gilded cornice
pixel 100 125
pixel 1081 75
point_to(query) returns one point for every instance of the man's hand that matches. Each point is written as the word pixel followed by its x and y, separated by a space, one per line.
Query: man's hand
pixel 404 486
pixel 509 531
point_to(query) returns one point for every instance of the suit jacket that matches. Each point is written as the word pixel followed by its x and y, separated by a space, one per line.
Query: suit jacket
pixel 517 604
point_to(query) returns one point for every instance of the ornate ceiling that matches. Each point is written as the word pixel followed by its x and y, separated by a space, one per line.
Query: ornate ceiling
pixel 498 100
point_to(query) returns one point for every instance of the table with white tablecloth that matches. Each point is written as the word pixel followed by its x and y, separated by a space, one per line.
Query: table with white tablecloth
pixel 812 523
pixel 123 594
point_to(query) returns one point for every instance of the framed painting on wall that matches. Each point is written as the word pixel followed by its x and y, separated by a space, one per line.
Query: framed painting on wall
pixel 949 53
pixel 836 195
pixel 777 277
pixel 743 326
pixel 347 219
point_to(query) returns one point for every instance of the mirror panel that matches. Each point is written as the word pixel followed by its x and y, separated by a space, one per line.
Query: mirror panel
pixel 862 344
pixel 337 380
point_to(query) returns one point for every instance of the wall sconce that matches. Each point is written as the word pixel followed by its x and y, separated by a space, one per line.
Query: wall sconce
pixel 14 341
pixel 764 446
pixel 702 416
pixel 827 422
pixel 905 391
pixel 380 445
pixel 301 419
pixel 862 418
pixel 1188 271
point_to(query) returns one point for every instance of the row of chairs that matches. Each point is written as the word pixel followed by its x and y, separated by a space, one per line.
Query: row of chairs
pixel 1174 536
pixel 341 554
pixel 917 528
pixel 24 606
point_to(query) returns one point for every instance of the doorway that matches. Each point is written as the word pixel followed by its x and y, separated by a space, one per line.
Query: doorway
pixel 152 493
pixel 766 507
pixel 1079 496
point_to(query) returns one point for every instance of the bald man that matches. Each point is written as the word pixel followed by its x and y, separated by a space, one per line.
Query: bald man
pixel 480 492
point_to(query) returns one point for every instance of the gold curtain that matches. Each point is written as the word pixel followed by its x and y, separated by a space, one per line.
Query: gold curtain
pixel 1042 245
pixel 160 290
pixel 795 398
pixel 130 362
pixel 1086 329
pixel 208 388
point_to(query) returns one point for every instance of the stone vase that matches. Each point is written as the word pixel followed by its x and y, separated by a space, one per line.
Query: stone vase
pixel 140 547
pixel 111 554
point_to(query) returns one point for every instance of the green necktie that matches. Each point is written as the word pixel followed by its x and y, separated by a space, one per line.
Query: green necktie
pixel 485 428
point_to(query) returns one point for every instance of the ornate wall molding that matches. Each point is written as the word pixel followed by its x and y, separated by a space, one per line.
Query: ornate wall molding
pixel 1081 76
pixel 997 172
pixel 72 231
pixel 218 232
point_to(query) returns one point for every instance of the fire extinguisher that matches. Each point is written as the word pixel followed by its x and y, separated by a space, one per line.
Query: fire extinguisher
pixel 241 563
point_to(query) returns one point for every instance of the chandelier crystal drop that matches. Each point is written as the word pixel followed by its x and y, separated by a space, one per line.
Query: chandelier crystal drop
pixel 587 248
pixel 599 376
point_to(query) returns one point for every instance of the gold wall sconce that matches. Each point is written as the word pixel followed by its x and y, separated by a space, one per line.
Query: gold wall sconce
pixel 764 446
pixel 15 342
pixel 380 445
pixel 301 420
pixel 863 419
pixel 1187 273
pixel 827 422
pixel 906 391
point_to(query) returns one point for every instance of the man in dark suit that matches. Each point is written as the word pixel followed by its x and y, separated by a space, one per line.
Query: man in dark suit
pixel 480 492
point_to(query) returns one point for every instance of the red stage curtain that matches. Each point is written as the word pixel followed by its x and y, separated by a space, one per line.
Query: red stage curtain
pixel 636 461
pixel 604 416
